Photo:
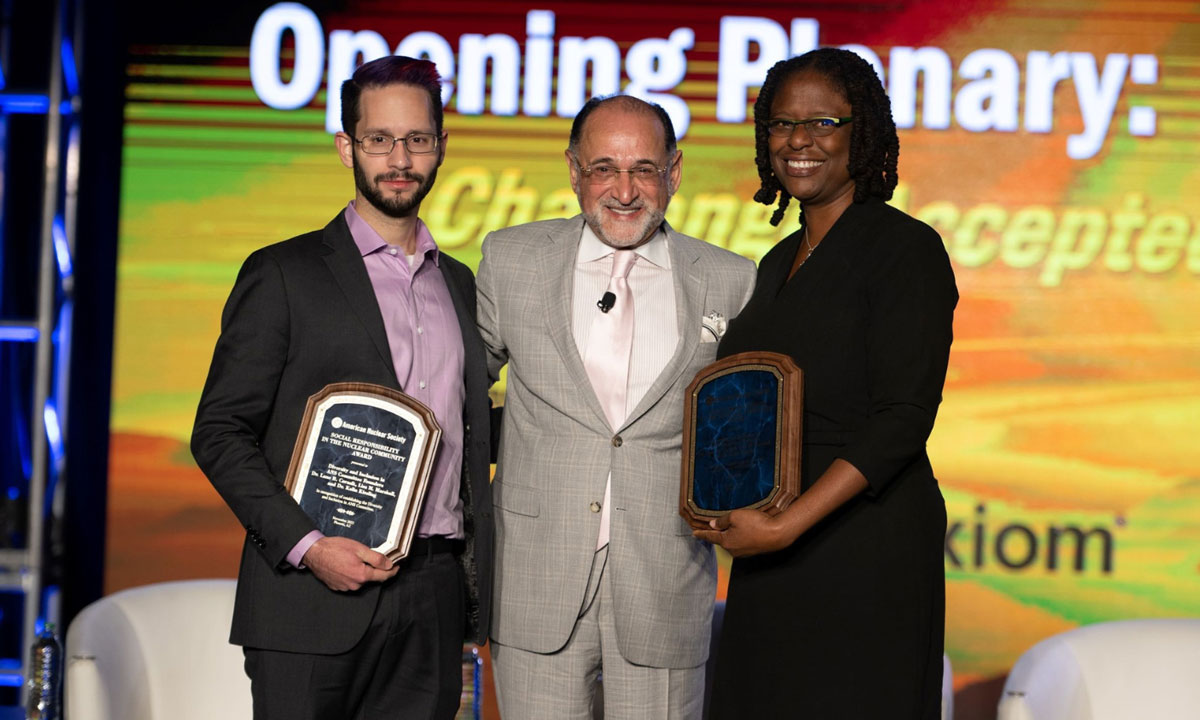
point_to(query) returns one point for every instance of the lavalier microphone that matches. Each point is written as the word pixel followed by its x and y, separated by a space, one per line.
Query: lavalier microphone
pixel 606 302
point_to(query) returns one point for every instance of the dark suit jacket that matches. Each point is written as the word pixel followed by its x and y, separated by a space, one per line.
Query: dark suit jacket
pixel 301 315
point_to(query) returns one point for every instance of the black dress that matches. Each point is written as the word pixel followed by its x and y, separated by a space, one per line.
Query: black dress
pixel 848 621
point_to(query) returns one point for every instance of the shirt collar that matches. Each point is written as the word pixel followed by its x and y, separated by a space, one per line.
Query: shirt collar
pixel 656 251
pixel 369 241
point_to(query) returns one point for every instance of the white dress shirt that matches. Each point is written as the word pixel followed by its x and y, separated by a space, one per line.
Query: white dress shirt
pixel 655 329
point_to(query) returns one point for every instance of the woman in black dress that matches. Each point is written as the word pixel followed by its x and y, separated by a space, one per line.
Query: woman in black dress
pixel 836 606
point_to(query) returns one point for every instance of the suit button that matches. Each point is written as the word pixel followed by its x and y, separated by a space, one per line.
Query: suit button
pixel 595 506
pixel 616 441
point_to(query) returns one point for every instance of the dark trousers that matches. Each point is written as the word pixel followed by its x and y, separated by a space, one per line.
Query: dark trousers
pixel 408 665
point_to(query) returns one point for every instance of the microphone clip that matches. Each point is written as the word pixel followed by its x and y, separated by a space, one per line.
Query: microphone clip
pixel 606 302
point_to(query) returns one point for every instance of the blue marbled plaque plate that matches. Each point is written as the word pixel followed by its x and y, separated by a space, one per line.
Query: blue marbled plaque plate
pixel 737 425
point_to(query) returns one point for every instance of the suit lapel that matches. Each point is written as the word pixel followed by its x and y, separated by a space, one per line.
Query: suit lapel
pixel 558 287
pixel 690 290
pixel 473 357
pixel 464 311
pixel 346 264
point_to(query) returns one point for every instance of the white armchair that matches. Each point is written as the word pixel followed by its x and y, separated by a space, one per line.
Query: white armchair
pixel 947 689
pixel 1109 671
pixel 155 653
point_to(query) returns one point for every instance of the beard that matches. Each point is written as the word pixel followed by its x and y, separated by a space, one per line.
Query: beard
pixel 623 235
pixel 396 206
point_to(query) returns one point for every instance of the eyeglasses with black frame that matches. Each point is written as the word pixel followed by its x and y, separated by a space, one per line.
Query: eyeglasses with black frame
pixel 417 143
pixel 816 126
pixel 606 174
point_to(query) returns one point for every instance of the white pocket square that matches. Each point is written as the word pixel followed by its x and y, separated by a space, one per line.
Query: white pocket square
pixel 712 327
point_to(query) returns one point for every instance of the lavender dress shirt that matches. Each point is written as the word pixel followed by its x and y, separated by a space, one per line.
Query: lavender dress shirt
pixel 427 355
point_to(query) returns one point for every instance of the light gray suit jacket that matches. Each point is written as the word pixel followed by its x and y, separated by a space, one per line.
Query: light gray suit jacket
pixel 557 451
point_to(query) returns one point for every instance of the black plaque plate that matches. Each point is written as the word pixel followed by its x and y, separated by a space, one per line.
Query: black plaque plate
pixel 361 464
pixel 741 437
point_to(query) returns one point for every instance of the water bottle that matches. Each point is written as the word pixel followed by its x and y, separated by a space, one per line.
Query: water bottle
pixel 45 677
pixel 471 703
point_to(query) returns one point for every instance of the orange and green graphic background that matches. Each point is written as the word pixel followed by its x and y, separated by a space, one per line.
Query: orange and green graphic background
pixel 1073 396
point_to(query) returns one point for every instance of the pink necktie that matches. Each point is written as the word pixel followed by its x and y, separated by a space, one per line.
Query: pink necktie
pixel 609 348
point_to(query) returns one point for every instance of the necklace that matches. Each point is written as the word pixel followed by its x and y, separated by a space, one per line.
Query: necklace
pixel 801 260
pixel 808 244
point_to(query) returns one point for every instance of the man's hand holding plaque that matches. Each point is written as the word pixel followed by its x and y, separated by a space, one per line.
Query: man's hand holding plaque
pixel 360 469
pixel 346 565
pixel 741 437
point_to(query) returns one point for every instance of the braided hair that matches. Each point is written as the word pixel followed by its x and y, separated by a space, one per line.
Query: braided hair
pixel 874 145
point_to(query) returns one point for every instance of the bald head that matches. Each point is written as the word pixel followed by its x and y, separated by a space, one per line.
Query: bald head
pixel 626 103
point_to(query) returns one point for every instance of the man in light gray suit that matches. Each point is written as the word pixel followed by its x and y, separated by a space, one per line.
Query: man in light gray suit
pixel 603 320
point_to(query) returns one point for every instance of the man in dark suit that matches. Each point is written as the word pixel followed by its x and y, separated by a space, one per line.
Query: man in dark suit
pixel 329 627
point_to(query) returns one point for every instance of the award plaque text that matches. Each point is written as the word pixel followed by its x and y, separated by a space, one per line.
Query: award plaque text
pixel 741 437
pixel 362 462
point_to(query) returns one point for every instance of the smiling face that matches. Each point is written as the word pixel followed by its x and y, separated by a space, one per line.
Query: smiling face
pixel 814 170
pixel 623 213
pixel 396 183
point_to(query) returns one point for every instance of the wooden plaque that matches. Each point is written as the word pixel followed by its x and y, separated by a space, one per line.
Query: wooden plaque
pixel 362 462
pixel 741 437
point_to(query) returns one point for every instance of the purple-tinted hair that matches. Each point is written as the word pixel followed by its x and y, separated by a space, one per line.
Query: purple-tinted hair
pixel 391 70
